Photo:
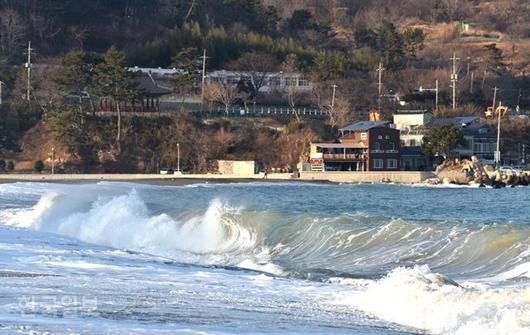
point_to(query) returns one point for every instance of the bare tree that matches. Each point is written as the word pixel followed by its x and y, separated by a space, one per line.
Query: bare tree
pixel 293 98
pixel 221 93
pixel 255 66
pixel 338 110
pixel 340 113
pixel 12 30
pixel 290 66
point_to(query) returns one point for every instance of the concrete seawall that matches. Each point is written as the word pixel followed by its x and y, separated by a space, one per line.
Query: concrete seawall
pixel 402 177
pixel 133 177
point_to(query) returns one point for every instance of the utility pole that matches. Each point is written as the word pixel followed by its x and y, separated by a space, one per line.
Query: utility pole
pixel 203 78
pixel 454 79
pixel 471 82
pixel 380 70
pixel 437 93
pixel 1 84
pixel 28 66
pixel 497 153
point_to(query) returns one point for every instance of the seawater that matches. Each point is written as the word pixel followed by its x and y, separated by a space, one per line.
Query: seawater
pixel 263 258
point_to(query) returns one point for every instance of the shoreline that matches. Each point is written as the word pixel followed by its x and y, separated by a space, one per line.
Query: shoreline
pixel 152 179
pixel 399 177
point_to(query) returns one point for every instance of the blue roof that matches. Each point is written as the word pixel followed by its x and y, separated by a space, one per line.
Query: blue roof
pixel 364 125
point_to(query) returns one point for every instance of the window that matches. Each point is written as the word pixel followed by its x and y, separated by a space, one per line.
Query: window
pixel 290 81
pixel 303 83
pixel 391 163
pixel 377 146
pixel 387 137
pixel 275 81
pixel 378 163
pixel 392 146
pixel 363 136
pixel 380 137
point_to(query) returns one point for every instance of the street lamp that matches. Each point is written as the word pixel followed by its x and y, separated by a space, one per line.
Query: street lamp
pixel 53 160
pixel 178 158
pixel 421 89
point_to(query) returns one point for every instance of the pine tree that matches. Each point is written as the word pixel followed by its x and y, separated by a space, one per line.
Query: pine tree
pixel 113 81
pixel 76 74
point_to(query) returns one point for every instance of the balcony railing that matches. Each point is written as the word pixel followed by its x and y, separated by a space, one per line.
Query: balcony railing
pixel 348 157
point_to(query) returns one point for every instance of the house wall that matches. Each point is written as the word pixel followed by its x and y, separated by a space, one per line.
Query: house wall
pixel 406 120
pixel 355 138
pixel 389 145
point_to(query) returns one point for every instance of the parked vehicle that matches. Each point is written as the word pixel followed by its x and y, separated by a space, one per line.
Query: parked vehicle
pixel 167 171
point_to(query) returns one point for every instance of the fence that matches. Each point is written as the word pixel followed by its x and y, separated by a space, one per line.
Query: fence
pixel 278 112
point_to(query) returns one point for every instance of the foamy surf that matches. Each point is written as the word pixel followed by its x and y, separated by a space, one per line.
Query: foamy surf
pixel 418 298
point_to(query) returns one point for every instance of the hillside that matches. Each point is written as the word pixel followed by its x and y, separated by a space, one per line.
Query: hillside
pixel 338 42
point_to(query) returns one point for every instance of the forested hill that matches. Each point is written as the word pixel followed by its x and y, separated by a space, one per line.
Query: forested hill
pixel 80 46
pixel 152 30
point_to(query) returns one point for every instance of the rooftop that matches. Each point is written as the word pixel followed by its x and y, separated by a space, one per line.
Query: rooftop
pixel 365 125
pixel 339 145
pixel 411 111
pixel 460 121
pixel 149 87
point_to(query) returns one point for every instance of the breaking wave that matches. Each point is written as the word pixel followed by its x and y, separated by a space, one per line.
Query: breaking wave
pixel 305 245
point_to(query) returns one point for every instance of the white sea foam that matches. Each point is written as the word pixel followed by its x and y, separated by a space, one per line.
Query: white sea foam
pixel 418 298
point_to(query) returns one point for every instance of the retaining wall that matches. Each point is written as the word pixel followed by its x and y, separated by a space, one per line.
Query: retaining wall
pixel 402 177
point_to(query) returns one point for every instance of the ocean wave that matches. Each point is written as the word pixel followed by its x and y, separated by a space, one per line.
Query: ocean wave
pixel 302 245
pixel 478 282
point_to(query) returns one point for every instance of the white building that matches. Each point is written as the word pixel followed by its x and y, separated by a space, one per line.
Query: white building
pixel 272 81
pixel 412 124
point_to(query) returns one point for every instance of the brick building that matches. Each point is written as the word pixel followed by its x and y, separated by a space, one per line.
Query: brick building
pixel 363 146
